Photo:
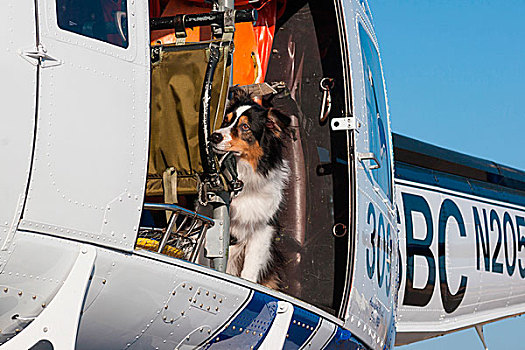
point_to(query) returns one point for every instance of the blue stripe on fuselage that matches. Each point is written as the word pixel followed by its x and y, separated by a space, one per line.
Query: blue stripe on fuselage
pixel 458 183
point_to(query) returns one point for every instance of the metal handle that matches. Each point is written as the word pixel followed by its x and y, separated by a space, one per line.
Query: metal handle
pixel 326 85
pixel 369 156
pixel 119 15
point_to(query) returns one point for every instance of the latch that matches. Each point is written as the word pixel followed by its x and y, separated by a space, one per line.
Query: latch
pixel 344 123
pixel 40 57
pixel 326 85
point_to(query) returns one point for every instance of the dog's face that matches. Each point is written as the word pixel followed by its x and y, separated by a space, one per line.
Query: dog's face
pixel 249 130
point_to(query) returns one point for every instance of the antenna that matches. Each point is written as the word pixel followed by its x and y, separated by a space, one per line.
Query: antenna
pixel 479 329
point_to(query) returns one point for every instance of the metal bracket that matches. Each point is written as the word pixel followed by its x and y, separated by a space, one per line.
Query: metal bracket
pixel 40 58
pixel 229 21
pixel 279 329
pixel 344 123
pixel 59 322
pixel 180 30
pixel 218 237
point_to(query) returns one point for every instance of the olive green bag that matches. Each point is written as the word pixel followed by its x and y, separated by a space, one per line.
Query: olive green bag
pixel 177 78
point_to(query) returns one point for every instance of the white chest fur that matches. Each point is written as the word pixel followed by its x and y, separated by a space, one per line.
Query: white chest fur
pixel 259 200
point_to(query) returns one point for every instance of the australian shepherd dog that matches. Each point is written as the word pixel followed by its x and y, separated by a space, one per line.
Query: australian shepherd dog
pixel 255 135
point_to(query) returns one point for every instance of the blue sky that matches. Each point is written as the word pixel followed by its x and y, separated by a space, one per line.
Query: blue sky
pixel 454 72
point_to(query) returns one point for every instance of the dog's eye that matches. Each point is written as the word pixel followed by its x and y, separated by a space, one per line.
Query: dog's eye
pixel 245 127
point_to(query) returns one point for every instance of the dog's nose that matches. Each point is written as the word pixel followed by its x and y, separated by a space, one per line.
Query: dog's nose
pixel 216 137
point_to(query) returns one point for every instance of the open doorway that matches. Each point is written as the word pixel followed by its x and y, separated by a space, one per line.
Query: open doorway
pixel 304 70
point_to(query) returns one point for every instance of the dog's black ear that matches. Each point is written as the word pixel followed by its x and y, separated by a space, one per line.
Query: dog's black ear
pixel 278 121
pixel 239 96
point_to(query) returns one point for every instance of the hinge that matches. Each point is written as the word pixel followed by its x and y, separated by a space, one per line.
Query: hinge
pixel 344 123
pixel 40 58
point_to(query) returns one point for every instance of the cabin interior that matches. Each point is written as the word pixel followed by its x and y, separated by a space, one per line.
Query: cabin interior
pixel 281 59
pixel 289 58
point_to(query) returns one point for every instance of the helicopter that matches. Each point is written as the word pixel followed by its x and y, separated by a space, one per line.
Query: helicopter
pixel 115 212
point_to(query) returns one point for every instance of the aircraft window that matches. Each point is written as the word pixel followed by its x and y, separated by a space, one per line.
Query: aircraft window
pixel 376 112
pixel 104 20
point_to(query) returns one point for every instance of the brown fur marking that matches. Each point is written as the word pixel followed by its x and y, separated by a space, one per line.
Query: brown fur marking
pixel 249 151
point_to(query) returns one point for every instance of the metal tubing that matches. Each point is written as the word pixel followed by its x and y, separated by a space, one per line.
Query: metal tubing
pixel 199 20
pixel 176 208
pixel 192 226
pixel 198 246
pixel 168 232
pixel 179 228
pixel 207 156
